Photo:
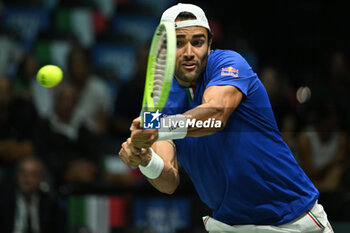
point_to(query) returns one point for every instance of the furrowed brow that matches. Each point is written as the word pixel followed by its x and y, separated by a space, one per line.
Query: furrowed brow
pixel 198 36
pixel 193 37
pixel 180 36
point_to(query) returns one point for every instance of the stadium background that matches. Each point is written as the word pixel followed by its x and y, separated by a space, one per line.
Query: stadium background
pixel 300 50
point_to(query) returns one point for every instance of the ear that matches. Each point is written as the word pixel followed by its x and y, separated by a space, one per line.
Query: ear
pixel 209 45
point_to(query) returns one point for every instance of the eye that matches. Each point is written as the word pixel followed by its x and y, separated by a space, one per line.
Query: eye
pixel 198 43
pixel 179 43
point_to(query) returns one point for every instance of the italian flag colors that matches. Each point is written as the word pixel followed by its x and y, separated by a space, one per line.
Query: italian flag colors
pixel 97 213
pixel 79 21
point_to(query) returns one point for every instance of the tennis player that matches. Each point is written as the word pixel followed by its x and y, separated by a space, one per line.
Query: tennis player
pixel 242 169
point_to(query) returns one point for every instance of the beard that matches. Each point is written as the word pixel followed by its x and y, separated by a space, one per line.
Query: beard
pixel 190 78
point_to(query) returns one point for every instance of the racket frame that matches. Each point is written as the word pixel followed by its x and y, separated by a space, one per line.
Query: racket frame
pixel 148 101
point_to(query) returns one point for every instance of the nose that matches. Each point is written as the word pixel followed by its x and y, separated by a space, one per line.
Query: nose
pixel 188 51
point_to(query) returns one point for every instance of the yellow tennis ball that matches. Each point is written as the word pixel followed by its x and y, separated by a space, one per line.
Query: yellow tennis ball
pixel 49 75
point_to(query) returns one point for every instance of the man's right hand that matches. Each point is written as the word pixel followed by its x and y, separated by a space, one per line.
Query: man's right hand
pixel 132 156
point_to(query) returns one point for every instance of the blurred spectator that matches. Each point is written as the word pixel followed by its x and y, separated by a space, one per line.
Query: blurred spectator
pixel 126 108
pixel 332 84
pixel 17 124
pixel 339 77
pixel 129 99
pixel 27 87
pixel 282 97
pixel 322 150
pixel 70 153
pixel 25 207
pixel 10 51
pixel 340 82
pixel 93 94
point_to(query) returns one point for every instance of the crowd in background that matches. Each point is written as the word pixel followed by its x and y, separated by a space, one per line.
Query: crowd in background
pixel 71 133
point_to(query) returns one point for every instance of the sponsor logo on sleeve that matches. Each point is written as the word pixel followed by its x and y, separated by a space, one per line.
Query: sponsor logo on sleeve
pixel 229 71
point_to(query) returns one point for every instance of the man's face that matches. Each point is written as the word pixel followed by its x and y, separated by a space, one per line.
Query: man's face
pixel 79 68
pixel 191 54
pixel 29 177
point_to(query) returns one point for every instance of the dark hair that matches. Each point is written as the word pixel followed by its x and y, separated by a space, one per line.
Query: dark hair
pixel 24 160
pixel 81 51
pixel 185 15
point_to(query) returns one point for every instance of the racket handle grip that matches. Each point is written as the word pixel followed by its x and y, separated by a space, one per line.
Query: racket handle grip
pixel 173 127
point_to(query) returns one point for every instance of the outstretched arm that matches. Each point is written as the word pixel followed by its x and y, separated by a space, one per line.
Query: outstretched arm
pixel 218 103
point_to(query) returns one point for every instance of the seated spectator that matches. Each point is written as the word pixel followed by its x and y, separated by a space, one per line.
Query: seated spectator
pixel 70 153
pixel 126 107
pixel 333 79
pixel 322 150
pixel 27 87
pixel 25 207
pixel 283 102
pixel 93 94
pixel 17 123
pixel 282 97
pixel 339 82
pixel 339 77
pixel 129 99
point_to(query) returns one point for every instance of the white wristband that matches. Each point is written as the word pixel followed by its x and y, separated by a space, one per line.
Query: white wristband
pixel 154 167
pixel 173 127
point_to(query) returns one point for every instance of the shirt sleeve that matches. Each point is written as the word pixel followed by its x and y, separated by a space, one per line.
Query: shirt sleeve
pixel 230 68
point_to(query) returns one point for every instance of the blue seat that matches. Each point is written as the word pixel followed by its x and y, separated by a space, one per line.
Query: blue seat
pixel 138 29
pixel 163 215
pixel 115 59
pixel 25 22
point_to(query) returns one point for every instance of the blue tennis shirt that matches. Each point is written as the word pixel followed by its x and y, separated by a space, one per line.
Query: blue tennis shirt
pixel 246 173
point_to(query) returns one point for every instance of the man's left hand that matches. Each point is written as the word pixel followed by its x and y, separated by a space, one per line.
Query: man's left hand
pixel 142 138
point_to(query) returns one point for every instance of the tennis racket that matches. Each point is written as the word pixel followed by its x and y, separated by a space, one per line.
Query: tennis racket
pixel 160 68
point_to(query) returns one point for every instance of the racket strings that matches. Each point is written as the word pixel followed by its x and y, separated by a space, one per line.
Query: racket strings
pixel 160 68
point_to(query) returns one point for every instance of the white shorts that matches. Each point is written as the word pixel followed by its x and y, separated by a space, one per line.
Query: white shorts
pixel 313 221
